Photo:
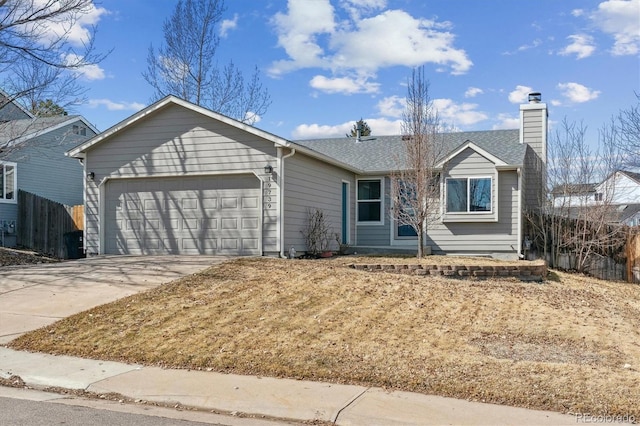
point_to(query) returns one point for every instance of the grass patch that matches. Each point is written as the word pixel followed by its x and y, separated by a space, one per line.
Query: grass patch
pixel 568 345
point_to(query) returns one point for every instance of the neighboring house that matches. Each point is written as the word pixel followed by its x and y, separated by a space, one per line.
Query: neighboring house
pixel 620 187
pixel 573 194
pixel 32 159
pixel 176 178
pixel 619 193
pixel 629 214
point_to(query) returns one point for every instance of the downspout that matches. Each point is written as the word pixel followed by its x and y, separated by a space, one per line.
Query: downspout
pixel 281 197
pixel 520 213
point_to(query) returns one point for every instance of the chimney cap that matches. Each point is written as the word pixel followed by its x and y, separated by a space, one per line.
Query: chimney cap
pixel 535 97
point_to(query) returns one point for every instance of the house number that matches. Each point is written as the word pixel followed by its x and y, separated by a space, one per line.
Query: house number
pixel 269 184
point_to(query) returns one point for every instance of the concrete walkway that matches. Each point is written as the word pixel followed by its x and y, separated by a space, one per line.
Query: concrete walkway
pixel 274 398
pixel 37 295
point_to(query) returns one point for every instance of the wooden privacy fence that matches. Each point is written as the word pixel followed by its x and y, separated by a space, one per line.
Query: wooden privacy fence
pixel 42 224
pixel 633 257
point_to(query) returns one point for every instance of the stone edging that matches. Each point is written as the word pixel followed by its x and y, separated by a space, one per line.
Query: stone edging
pixel 523 272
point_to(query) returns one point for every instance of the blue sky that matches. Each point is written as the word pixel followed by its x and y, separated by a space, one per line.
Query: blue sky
pixel 328 63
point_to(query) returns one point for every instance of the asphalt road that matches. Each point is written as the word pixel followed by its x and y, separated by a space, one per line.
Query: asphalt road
pixel 35 413
pixel 22 407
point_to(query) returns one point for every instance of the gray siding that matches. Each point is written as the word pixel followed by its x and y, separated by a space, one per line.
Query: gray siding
pixel 483 237
pixel 44 170
pixel 10 111
pixel 471 164
pixel 313 184
pixel 534 135
pixel 175 141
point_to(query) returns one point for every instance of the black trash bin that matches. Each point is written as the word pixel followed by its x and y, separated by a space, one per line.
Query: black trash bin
pixel 73 244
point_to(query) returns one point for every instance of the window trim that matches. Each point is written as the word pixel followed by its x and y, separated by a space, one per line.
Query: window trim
pixel 3 169
pixel 468 212
pixel 381 200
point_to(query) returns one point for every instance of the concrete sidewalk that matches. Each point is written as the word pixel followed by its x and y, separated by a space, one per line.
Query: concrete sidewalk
pixel 276 398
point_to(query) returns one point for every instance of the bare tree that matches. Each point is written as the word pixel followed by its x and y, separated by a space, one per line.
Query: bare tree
pixel 36 52
pixel 184 65
pixel 579 221
pixel 415 186
pixel 629 127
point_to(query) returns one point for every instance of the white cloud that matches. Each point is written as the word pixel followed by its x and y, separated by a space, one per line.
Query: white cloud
pixel 472 92
pixel 577 12
pixel 520 94
pixel 343 85
pixel 619 18
pixel 379 127
pixel 314 35
pixel 115 106
pixel 400 39
pixel 464 114
pixel 582 46
pixel 391 106
pixel 228 25
pixel 75 27
pixel 298 32
pixel 577 93
pixel 506 121
pixel 88 72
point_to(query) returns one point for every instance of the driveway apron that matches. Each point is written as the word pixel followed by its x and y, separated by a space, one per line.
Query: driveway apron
pixel 35 296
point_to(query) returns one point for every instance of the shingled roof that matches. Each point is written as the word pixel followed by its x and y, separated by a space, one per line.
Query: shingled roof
pixel 381 154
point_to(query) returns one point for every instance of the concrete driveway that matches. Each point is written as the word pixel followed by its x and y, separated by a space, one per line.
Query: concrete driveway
pixel 35 296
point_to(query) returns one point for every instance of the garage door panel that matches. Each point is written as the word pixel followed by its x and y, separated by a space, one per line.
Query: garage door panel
pixel 189 203
pixel 209 223
pixel 229 223
pixel 250 202
pixel 229 203
pixel 216 215
pixel 250 223
pixel 249 243
pixel 209 203
pixel 190 224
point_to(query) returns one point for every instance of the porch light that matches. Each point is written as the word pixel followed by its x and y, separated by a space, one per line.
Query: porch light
pixel 268 169
pixel 91 176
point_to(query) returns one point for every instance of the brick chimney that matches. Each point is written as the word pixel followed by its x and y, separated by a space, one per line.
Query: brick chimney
pixel 533 133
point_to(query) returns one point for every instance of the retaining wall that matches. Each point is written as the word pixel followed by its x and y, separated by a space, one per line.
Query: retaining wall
pixel 523 272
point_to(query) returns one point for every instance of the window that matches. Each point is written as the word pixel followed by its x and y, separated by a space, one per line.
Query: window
pixel 7 182
pixel 78 130
pixel 404 200
pixel 468 195
pixel 370 200
pixel 598 196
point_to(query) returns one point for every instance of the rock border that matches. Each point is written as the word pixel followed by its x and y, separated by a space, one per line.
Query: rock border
pixel 522 272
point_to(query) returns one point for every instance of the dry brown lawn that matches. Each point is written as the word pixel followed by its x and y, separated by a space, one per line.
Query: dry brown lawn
pixel 571 344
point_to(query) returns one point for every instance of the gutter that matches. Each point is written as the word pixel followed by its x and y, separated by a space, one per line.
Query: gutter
pixel 281 196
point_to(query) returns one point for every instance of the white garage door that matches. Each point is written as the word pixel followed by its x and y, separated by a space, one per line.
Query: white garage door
pixel 183 215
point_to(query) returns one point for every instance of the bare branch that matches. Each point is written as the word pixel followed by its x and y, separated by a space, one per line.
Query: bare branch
pixel 184 65
pixel 416 183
